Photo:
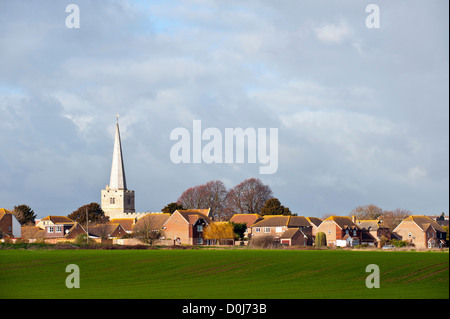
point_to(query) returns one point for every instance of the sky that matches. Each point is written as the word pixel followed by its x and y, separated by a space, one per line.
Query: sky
pixel 362 113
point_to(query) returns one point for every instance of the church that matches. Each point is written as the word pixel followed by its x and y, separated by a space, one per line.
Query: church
pixel 117 201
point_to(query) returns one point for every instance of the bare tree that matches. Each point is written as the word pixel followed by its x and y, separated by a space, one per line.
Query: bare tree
pixel 393 218
pixel 248 197
pixel 147 229
pixel 210 195
pixel 367 212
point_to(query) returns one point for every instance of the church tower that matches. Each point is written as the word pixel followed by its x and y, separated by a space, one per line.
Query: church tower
pixel 117 200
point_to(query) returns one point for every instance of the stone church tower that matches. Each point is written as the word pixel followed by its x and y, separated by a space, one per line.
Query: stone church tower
pixel 117 201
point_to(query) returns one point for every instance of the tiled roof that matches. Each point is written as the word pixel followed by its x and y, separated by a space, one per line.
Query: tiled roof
pixel 192 215
pixel 58 219
pixel 248 219
pixel 342 221
pixel 314 220
pixel 424 222
pixel 282 220
pixel 374 224
pixel 289 233
pixel 126 223
pixel 155 220
pixel 32 232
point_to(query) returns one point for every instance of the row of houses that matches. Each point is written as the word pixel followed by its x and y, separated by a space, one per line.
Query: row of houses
pixel 187 227
pixel 341 231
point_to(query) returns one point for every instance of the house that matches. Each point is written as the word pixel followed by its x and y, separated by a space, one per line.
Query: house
pixel 52 220
pixel 186 226
pixel 276 225
pixel 53 229
pixel 373 232
pixel 247 219
pixel 9 225
pixel 340 231
pixel 421 231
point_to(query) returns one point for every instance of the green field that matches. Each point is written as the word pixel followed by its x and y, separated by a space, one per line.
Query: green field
pixel 222 274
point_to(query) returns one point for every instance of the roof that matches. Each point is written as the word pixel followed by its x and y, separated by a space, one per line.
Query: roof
pixel 58 219
pixel 342 221
pixel 126 223
pixel 314 221
pixel 101 229
pixel 156 220
pixel 248 219
pixel 374 224
pixel 32 232
pixel 192 215
pixel 282 220
pixel 424 222
pixel 289 233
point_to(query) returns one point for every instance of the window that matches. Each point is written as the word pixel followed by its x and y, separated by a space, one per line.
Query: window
pixel 409 235
pixel 329 231
pixel 346 231
pixel 50 229
pixel 257 230
pixel 279 229
pixel 199 228
pixel 199 241
pixel 112 200
pixel 354 232
pixel 58 229
pixel 267 229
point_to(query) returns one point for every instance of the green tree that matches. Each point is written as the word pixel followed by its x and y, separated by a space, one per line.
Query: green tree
pixel 239 229
pixel 274 207
pixel 95 213
pixel 321 239
pixel 171 208
pixel 24 214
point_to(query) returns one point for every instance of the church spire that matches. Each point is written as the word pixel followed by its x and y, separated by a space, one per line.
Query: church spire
pixel 117 179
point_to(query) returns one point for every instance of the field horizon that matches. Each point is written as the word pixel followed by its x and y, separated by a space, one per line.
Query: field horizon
pixel 223 274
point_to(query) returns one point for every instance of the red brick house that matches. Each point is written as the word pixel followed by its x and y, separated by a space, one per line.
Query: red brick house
pixel 277 225
pixel 421 231
pixel 9 225
pixel 186 226
pixel 340 231
pixel 294 237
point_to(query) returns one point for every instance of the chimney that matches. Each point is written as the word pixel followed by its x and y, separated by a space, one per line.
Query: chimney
pixel 354 219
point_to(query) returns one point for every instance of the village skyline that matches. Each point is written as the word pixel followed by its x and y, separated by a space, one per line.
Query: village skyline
pixel 357 96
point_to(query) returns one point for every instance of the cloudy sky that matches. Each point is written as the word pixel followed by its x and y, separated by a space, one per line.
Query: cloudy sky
pixel 362 114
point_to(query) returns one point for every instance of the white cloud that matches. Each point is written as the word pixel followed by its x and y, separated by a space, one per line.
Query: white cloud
pixel 333 33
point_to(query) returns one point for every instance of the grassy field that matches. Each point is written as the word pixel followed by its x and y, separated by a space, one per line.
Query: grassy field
pixel 222 274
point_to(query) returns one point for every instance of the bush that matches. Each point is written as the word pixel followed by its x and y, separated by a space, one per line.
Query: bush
pixel 265 241
pixel 399 243
pixel 321 239
pixel 81 240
